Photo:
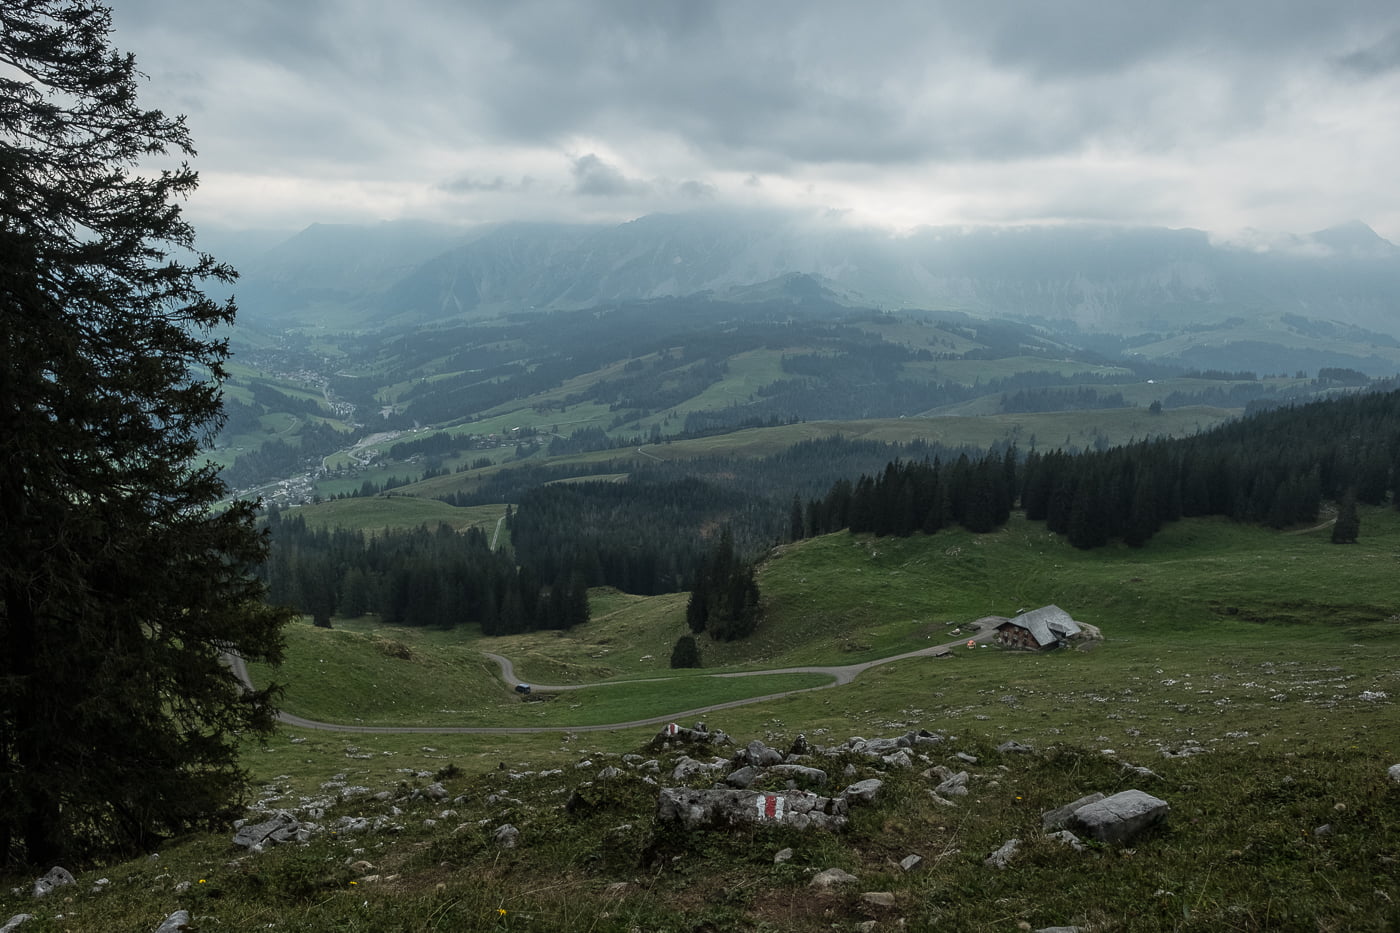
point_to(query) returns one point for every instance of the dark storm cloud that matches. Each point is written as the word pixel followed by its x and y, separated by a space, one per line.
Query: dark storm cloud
pixel 1378 58
pixel 595 178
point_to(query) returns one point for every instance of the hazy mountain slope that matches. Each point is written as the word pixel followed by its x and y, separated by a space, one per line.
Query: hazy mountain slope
pixel 1117 280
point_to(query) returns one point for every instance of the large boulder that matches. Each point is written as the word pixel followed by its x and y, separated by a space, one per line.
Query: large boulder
pixel 723 808
pixel 54 878
pixel 1059 817
pixel 1121 817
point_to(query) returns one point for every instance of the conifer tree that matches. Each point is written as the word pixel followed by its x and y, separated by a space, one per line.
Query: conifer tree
pixel 120 591
pixel 1348 524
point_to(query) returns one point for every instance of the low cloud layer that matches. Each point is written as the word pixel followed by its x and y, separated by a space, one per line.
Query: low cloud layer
pixel 1272 114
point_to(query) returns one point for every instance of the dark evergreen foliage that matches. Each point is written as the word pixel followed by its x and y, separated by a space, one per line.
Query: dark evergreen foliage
pixel 432 578
pixel 1348 524
pixel 686 652
pixel 120 591
pixel 724 601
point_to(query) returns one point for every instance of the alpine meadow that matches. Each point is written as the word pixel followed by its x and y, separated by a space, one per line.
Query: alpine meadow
pixel 702 468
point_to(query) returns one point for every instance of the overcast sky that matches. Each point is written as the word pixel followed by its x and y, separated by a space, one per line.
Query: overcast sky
pixel 1276 115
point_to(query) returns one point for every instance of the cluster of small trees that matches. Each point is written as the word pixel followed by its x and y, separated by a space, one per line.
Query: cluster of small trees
pixel 724 600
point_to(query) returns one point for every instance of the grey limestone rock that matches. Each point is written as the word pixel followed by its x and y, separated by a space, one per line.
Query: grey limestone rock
pixel 13 923
pixel 1003 856
pixel 1013 747
pixel 177 922
pixel 1059 817
pixel 1121 817
pixel 507 836
pixel 830 877
pixel 878 898
pixel 721 808
pixel 911 862
pixel 814 776
pixel 54 878
pixel 280 828
pixel 1070 839
pixel 744 777
pixel 955 786
pixel 759 755
pixel 863 791
pixel 1394 772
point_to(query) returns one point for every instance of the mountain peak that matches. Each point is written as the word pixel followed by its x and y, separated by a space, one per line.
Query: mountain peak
pixel 1357 239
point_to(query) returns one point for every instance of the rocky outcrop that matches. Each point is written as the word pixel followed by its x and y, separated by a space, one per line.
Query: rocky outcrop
pixel 711 809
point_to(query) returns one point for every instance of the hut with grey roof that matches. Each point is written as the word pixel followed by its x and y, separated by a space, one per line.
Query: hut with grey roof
pixel 1039 630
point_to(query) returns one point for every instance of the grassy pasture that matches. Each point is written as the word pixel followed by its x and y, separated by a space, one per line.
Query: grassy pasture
pixel 375 513
pixel 1254 673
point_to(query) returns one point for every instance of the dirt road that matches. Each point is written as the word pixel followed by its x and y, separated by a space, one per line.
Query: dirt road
pixel 840 674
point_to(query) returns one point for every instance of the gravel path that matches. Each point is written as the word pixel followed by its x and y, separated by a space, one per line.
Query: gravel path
pixel 840 674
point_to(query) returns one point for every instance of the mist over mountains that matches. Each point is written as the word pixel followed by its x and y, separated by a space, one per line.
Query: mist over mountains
pixel 1096 278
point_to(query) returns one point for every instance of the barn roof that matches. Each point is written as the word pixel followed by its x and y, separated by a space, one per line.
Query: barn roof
pixel 1047 625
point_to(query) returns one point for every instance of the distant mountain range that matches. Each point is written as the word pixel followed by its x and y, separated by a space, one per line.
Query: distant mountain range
pixel 1097 279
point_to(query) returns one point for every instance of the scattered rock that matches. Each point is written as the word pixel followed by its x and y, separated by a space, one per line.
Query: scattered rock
pixel 1120 817
pixel 13 923
pixel 362 867
pixel 964 756
pixel 814 776
pixel 507 837
pixel 783 855
pixel 1394 772
pixel 1069 839
pixel 864 791
pixel 1324 830
pixel 175 923
pixel 56 877
pixel 1002 856
pixel 759 755
pixel 1059 818
pixel 435 791
pixel 1013 747
pixel 955 786
pixel 744 777
pixel 911 862
pixel 878 898
pixel 832 876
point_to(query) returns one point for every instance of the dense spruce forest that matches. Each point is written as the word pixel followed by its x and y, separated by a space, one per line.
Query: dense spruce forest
pixel 437 578
pixel 1274 468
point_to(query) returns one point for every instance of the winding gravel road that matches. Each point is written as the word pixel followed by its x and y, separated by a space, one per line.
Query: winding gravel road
pixel 840 674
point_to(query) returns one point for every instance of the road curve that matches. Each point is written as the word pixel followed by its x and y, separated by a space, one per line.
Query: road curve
pixel 840 674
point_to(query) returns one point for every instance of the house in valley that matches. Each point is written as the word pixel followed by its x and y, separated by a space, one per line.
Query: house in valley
pixel 1040 629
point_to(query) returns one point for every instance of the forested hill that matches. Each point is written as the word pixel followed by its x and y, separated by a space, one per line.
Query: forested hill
pixel 1275 468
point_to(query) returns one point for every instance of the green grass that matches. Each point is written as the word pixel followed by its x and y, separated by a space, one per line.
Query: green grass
pixel 375 513
pixel 373 679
